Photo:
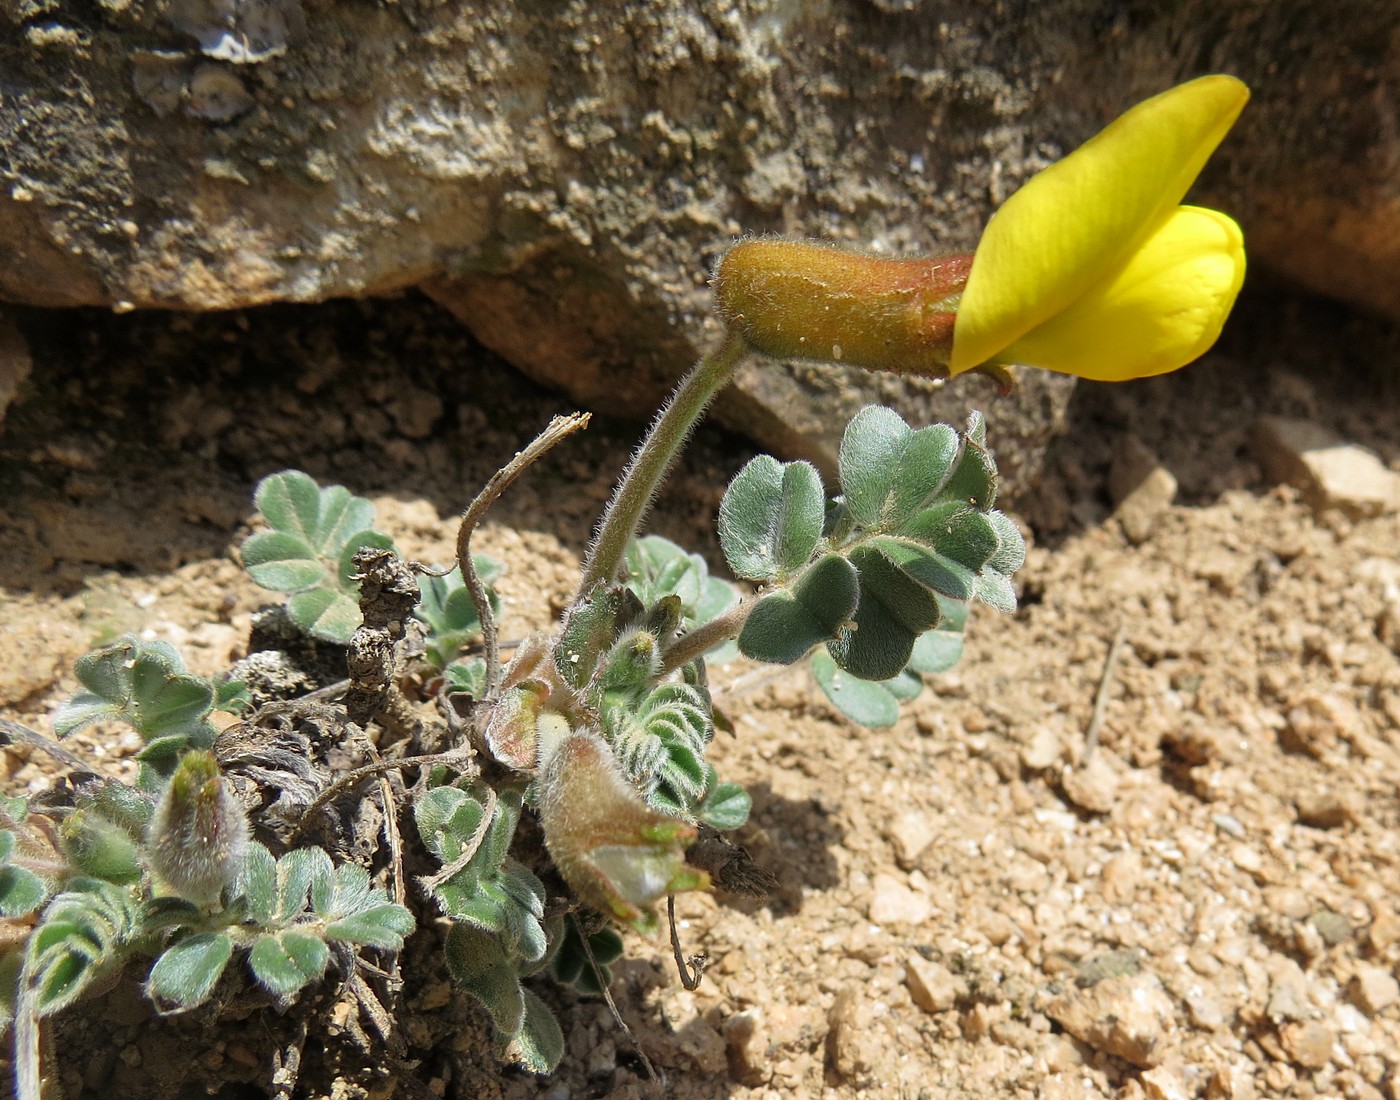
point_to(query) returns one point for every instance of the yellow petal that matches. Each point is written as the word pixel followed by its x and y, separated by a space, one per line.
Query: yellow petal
pixel 1059 234
pixel 1160 311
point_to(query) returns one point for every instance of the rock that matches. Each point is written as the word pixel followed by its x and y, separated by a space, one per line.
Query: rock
pixel 1288 991
pixel 1230 1083
pixel 1329 472
pixel 1384 932
pixel 1167 1083
pixel 1326 809
pixel 15 363
pixel 1317 721
pixel 1128 1016
pixel 1042 751
pixel 1373 988
pixel 933 987
pixel 1141 488
pixel 1307 1043
pixel 1093 786
pixel 910 832
pixel 852 1047
pixel 746 1041
pixel 894 903
pixel 562 179
pixel 1332 926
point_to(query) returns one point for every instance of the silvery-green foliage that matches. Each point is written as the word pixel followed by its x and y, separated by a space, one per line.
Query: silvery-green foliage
pixel 86 934
pixel 307 553
pixel 497 908
pixel 657 568
pixel 145 686
pixel 873 571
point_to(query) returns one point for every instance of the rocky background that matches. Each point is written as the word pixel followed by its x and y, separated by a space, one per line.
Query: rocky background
pixel 562 176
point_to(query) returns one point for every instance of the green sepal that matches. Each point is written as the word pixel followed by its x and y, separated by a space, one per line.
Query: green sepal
pixel 591 629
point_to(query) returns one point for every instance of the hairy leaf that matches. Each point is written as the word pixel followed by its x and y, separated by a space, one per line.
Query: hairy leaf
pixel 770 519
pixel 145 685
pixel 786 624
pixel 284 962
pixel 315 534
pixel 478 961
pixel 186 973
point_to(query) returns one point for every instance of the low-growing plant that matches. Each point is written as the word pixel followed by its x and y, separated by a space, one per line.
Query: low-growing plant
pixel 567 792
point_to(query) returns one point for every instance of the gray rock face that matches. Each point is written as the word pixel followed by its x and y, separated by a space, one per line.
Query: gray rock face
pixel 563 175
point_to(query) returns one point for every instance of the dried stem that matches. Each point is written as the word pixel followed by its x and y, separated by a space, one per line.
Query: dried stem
pixel 13 733
pixel 1110 664
pixel 693 970
pixel 612 1005
pixel 456 757
pixel 557 430
pixel 653 460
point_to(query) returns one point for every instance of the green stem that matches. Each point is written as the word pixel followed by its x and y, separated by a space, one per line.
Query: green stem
pixel 634 493
pixel 698 642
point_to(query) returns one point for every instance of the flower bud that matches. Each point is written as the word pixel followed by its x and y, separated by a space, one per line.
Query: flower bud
pixel 197 840
pixel 804 300
pixel 619 855
pixel 99 847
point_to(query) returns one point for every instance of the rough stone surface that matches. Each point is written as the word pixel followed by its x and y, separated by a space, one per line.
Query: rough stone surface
pixel 1330 472
pixel 1128 1016
pixel 1374 988
pixel 1308 1044
pixel 1092 787
pixel 894 903
pixel 563 177
pixel 933 987
pixel 15 363
pixel 1141 489
pixel 910 832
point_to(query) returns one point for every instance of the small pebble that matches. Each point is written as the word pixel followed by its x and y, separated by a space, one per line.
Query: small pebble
pixel 1373 989
pixel 1307 1043
pixel 1092 787
pixel 1128 1016
pixel 894 903
pixel 910 833
pixel 932 986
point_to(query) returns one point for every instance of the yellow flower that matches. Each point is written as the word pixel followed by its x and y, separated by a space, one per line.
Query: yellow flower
pixel 1094 268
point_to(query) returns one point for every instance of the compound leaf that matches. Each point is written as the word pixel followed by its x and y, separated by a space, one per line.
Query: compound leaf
pixel 784 625
pixel 283 962
pixel 770 519
pixel 186 973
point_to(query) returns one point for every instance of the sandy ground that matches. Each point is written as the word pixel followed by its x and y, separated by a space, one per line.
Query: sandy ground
pixel 978 902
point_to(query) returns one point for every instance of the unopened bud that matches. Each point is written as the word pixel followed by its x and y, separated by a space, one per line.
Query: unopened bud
pixel 99 847
pixel 620 856
pixel 198 836
pixel 802 300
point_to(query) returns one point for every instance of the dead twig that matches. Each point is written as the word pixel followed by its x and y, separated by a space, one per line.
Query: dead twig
pixel 690 970
pixel 287 1063
pixel 612 1005
pixel 558 429
pixel 458 756
pixel 429 883
pixel 12 733
pixel 1110 665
